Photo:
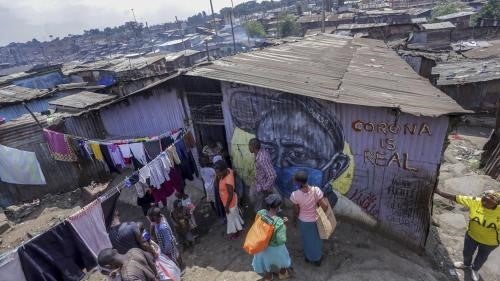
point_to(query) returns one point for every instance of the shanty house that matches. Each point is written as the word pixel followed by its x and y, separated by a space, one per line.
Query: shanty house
pixel 368 130
pixel 473 84
pixel 460 19
pixel 37 77
pixel 431 36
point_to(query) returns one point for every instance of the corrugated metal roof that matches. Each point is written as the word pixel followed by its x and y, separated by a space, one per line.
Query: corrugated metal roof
pixel 15 94
pixel 360 25
pixel 438 25
pixel 82 100
pixel 339 69
pixel 455 15
pixel 467 72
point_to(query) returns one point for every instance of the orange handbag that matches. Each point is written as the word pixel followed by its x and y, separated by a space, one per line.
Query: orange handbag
pixel 259 235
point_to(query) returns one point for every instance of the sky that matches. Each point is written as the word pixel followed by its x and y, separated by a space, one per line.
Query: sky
pixel 23 20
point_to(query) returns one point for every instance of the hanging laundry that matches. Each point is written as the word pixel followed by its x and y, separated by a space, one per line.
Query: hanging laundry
pixel 173 155
pixel 107 158
pixel 140 188
pixel 185 165
pixel 20 167
pixel 87 148
pixel 189 140
pixel 158 173
pixel 96 150
pixel 166 142
pixel 144 174
pixel 138 152
pixel 108 205
pixel 10 267
pixel 116 155
pixel 153 148
pixel 57 254
pixel 125 150
pixel 89 224
pixel 59 146
pixel 82 149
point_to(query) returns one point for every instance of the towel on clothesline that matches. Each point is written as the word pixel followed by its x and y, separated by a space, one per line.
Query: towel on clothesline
pixel 20 167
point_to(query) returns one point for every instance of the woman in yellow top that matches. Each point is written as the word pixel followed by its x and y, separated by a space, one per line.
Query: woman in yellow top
pixel 483 232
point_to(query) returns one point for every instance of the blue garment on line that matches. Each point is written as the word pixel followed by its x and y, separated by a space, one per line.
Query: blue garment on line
pixel 272 259
pixel 312 243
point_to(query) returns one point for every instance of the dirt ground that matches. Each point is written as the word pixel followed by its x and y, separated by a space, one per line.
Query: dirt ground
pixel 353 254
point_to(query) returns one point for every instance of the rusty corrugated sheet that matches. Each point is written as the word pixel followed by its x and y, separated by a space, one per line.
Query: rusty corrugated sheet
pixel 351 71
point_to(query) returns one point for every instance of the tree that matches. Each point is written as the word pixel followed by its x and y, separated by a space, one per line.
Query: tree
pixel 288 26
pixel 255 29
pixel 446 8
pixel 491 10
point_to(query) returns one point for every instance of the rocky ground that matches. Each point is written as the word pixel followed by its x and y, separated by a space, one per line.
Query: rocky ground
pixel 460 174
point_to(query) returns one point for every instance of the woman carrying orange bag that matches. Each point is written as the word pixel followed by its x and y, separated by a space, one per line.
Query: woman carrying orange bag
pixel 275 257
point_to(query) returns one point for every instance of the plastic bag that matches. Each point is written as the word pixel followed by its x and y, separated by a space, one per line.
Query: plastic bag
pixel 258 236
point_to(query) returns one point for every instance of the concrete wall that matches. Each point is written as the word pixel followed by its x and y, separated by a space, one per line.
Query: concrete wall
pixel 383 165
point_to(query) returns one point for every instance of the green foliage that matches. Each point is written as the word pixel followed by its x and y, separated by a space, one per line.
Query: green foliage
pixel 288 26
pixel 255 29
pixel 491 10
pixel 446 8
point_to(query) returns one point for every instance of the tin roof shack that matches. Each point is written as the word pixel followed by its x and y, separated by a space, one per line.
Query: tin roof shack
pixel 79 101
pixel 460 19
pixel 383 31
pixel 24 133
pixel 38 77
pixel 150 111
pixel 380 16
pixel 351 113
pixel 125 74
pixel 15 99
pixel 431 36
pixel 474 84
pixel 331 20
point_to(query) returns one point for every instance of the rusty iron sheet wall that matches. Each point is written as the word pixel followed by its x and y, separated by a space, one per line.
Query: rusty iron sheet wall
pixel 60 176
pixel 383 161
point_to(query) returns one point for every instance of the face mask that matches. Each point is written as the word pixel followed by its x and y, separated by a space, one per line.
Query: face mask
pixel 285 182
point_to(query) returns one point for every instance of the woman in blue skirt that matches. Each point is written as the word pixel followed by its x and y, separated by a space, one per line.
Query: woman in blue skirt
pixel 305 199
pixel 275 257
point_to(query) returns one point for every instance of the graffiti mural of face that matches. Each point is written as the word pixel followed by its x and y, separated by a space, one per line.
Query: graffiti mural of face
pixel 296 141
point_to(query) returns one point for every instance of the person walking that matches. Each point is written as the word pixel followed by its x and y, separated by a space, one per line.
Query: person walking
pixel 163 235
pixel 276 255
pixel 483 232
pixel 265 175
pixel 229 198
pixel 305 199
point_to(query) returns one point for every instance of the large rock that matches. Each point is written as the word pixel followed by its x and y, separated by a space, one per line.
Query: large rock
pixel 472 185
pixel 454 220
pixel 4 223
pixel 17 212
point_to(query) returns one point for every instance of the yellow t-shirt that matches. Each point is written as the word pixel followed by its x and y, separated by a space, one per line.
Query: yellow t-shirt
pixel 484 224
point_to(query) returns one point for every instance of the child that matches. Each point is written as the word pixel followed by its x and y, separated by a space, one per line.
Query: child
pixel 181 217
pixel 186 203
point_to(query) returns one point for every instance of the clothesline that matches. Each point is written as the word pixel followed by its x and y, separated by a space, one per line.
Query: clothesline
pixel 118 141
pixel 112 191
pixel 85 218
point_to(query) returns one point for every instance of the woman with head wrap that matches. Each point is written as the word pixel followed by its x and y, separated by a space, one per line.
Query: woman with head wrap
pixel 483 233
pixel 275 257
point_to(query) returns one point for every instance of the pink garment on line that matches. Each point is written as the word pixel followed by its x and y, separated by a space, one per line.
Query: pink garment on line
pixel 90 226
pixel 59 146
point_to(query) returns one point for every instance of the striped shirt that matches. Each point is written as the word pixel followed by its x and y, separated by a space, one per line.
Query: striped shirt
pixel 265 175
